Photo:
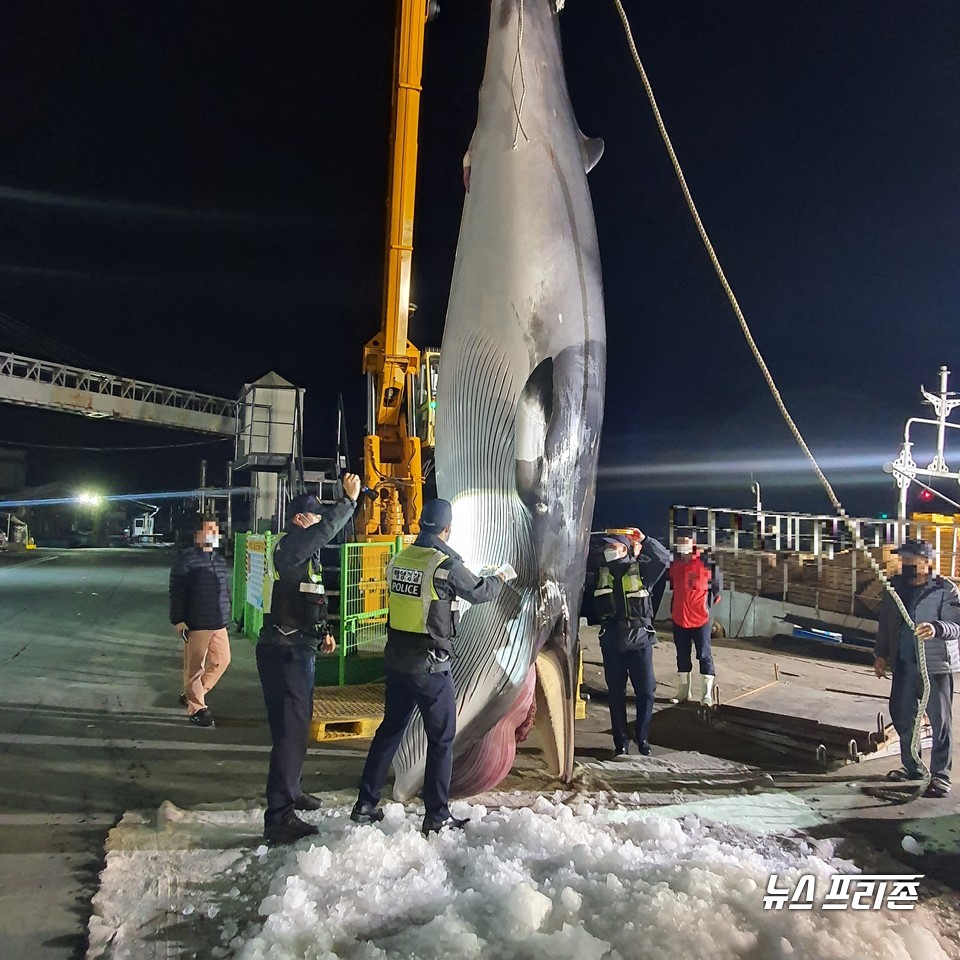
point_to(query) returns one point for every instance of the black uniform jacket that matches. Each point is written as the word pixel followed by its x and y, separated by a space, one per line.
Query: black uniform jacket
pixel 291 557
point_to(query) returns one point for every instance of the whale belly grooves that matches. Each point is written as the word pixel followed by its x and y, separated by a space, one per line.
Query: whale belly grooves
pixel 519 409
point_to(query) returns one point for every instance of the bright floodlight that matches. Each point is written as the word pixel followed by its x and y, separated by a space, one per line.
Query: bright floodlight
pixel 91 499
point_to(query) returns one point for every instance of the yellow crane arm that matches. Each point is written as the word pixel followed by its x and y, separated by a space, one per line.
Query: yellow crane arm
pixel 392 460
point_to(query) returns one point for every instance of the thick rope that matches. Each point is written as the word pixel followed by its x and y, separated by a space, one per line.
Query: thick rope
pixel 518 64
pixel 765 370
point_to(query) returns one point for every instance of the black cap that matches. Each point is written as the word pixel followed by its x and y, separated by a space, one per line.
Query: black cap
pixel 617 539
pixel 916 548
pixel 305 503
pixel 436 516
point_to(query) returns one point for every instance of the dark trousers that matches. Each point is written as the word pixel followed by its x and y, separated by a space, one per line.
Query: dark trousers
pixel 287 680
pixel 433 695
pixel 905 692
pixel 684 638
pixel 638 666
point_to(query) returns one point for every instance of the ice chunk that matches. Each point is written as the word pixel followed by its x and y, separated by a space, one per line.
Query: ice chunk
pixel 570 899
pixel 528 907
pixel 910 845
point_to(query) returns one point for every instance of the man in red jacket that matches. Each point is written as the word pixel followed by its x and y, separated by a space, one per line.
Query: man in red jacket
pixel 696 587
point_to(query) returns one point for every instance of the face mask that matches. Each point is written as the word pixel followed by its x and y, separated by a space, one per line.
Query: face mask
pixel 212 540
pixel 685 549
pixel 610 554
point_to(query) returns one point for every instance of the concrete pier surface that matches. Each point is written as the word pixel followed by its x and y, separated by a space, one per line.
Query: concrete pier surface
pixel 90 727
pixel 90 673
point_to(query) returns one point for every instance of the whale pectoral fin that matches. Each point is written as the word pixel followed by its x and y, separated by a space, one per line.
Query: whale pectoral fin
pixel 591 149
pixel 555 714
pixel 534 413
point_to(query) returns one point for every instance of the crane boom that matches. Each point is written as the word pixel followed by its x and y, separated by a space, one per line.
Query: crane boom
pixel 391 450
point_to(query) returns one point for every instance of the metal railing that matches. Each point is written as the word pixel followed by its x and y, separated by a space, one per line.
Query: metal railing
pixel 105 384
pixel 817 534
pixel 262 428
pixel 808 559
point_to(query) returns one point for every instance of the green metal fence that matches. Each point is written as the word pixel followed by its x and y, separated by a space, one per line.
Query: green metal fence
pixel 357 602
pixel 239 596
pixel 363 610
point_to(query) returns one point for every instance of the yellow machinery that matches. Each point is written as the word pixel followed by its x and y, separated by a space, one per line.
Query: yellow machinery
pixel 426 403
pixel 392 449
pixel 943 532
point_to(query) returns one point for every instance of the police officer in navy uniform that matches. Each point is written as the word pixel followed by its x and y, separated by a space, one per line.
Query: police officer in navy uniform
pixel 425 581
pixel 292 632
pixel 626 571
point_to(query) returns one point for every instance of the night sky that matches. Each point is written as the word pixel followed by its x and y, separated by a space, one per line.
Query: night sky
pixel 193 193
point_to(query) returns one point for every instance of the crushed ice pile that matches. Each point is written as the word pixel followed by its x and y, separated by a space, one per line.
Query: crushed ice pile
pixel 557 881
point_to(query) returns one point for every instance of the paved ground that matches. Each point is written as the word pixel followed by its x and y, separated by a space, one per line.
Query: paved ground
pixel 90 727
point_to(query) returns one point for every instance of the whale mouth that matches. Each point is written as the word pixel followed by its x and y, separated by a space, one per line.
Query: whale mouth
pixel 555 708
pixel 544 705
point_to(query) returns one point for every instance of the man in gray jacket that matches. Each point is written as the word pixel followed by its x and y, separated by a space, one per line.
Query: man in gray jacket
pixel 934 606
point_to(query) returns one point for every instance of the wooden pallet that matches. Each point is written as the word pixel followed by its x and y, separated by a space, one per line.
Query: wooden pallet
pixel 346 713
pixel 361 728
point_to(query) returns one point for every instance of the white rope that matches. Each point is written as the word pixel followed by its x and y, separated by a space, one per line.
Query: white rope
pixel 765 370
pixel 518 64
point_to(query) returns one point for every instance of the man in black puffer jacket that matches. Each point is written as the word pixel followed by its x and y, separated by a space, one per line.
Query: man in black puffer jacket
pixel 199 612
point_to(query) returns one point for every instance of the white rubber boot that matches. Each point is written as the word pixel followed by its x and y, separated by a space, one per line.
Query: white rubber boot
pixel 683 688
pixel 708 700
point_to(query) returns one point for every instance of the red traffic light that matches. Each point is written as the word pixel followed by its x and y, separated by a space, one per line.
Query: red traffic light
pixel 926 495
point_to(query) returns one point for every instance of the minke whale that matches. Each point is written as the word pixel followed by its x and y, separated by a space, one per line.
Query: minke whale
pixel 520 405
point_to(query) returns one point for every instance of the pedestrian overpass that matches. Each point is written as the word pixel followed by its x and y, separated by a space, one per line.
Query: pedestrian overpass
pixel 56 386
pixel 266 422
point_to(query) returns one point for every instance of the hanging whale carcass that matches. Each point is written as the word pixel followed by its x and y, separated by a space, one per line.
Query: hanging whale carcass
pixel 520 404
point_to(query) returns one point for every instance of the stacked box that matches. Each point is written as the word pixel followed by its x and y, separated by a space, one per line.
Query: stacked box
pixel 884 556
pixel 804 594
pixel 868 599
pixel 741 569
pixel 811 595
pixel 837 601
pixel 833 584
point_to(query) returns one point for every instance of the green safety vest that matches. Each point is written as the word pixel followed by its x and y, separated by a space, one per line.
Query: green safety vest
pixel 415 606
pixel 312 585
pixel 633 594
